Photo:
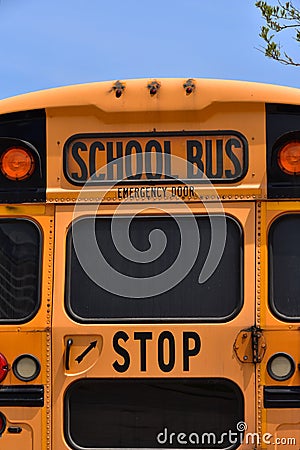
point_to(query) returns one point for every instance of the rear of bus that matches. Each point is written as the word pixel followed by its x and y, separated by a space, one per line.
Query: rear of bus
pixel 148 266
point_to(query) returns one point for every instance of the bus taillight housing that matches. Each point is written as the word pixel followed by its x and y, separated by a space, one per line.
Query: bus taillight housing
pixel 283 150
pixel 23 157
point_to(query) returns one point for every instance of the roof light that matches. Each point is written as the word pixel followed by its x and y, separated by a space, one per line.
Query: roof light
pixel 189 86
pixel 289 158
pixel 153 87
pixel 118 88
pixel 17 163
pixel 281 366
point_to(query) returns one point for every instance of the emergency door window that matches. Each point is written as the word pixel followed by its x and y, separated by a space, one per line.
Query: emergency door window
pixel 19 269
pixel 218 299
pixel 284 264
pixel 153 413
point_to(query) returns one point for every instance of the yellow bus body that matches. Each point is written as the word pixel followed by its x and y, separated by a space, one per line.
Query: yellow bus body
pixel 84 125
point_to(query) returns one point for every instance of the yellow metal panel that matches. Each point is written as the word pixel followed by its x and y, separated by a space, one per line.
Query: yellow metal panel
pixel 248 119
pixel 33 337
pixel 280 426
pixel 102 97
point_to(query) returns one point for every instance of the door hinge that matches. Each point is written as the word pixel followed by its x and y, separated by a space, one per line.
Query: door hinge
pixel 250 345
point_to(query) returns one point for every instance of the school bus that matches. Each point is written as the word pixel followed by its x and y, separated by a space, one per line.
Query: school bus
pixel 149 266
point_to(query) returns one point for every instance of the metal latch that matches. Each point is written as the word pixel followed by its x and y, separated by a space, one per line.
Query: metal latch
pixel 250 345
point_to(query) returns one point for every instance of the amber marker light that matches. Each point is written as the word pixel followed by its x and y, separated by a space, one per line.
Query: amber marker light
pixel 289 158
pixel 17 163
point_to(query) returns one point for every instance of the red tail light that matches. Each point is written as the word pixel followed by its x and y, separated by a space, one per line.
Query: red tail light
pixel 3 367
pixel 2 423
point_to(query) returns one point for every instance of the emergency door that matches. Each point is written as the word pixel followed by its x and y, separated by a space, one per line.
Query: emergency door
pixel 280 316
pixel 161 371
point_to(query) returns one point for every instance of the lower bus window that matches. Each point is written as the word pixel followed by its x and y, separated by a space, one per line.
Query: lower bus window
pixel 153 413
pixel 19 269
pixel 284 263
pixel 218 299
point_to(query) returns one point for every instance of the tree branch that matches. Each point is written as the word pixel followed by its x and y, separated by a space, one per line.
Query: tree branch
pixel 278 18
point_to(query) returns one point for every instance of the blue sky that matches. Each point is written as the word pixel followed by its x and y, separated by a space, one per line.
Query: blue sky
pixel 47 43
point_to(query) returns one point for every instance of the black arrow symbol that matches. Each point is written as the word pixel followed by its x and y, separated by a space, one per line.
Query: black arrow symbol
pixel 86 351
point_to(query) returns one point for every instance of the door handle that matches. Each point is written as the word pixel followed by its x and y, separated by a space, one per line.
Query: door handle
pixel 68 349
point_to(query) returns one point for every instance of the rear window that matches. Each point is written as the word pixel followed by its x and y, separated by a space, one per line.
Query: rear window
pixel 218 299
pixel 19 270
pixel 153 413
pixel 284 263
